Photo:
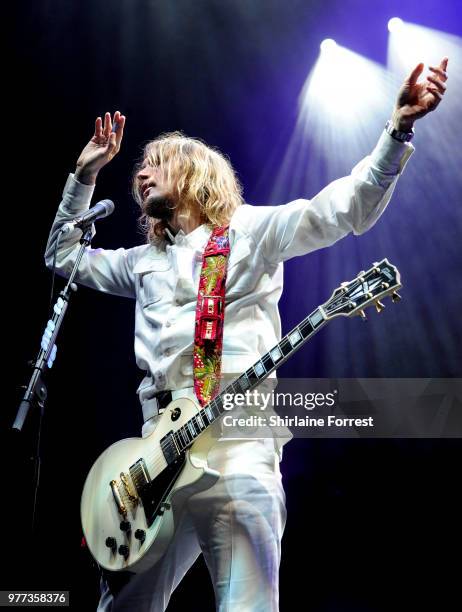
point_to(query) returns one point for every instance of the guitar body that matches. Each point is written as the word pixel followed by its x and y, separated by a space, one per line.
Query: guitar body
pixel 135 497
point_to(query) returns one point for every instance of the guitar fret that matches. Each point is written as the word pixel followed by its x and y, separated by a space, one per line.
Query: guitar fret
pixel 228 391
pixel 259 369
pixel 218 403
pixel 213 409
pixel 184 432
pixel 180 439
pixel 285 346
pixel 295 337
pixel 202 425
pixel 316 318
pixel 176 439
pixel 276 354
pixel 236 386
pixel 306 328
pixel 244 382
pixel 176 443
pixel 196 426
pixel 191 429
pixel 268 362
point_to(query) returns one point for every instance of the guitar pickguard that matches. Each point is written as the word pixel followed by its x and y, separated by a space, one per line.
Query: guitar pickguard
pixel 154 493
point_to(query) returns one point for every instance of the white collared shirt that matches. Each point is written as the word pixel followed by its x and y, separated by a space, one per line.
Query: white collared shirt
pixel 164 281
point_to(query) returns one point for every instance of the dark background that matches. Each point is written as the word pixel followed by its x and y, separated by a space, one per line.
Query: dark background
pixel 371 523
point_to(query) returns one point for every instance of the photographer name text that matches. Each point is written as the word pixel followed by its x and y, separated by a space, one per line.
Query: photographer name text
pixel 296 421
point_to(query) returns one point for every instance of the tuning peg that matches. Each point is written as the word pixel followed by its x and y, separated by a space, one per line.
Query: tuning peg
pixel 379 306
pixel 395 296
pixel 384 285
pixel 362 314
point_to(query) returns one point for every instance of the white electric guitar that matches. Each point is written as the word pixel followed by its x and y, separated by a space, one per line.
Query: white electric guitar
pixel 134 492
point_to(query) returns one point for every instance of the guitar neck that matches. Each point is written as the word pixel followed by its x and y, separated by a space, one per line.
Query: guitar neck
pixel 251 378
pixel 274 358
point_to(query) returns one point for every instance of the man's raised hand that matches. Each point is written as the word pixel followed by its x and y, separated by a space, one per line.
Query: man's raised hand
pixel 415 100
pixel 103 146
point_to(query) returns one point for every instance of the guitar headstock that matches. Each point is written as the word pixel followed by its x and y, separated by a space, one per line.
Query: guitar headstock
pixel 352 297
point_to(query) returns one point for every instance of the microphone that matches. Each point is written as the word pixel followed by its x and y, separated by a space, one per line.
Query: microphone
pixel 98 211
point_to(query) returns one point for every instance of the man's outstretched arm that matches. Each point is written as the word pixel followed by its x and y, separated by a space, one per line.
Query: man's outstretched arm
pixel 352 203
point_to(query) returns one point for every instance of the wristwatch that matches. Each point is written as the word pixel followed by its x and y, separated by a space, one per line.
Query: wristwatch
pixel 397 135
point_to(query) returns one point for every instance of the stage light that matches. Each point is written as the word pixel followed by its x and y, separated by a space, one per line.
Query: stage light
pixel 344 104
pixel 343 84
pixel 395 24
pixel 328 44
pixel 413 44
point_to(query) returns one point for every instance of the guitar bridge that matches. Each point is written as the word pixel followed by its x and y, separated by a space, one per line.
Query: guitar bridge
pixel 118 500
pixel 129 493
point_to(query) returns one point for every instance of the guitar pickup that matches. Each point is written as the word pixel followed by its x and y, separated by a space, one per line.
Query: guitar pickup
pixel 139 475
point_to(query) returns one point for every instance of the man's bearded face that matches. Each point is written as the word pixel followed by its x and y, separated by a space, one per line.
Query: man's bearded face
pixel 155 195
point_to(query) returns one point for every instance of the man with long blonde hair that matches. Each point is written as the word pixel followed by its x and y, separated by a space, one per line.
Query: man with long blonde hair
pixel 185 189
pixel 201 184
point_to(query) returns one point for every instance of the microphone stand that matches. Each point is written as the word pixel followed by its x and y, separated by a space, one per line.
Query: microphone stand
pixel 36 391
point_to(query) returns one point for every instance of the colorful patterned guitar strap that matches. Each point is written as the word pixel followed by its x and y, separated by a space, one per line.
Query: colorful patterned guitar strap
pixel 210 314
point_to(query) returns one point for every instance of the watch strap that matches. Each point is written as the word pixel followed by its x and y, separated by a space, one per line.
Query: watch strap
pixel 397 134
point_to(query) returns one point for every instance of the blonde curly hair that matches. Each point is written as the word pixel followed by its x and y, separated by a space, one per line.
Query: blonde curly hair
pixel 201 177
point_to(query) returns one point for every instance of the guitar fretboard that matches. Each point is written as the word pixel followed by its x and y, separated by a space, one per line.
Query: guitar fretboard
pixel 178 441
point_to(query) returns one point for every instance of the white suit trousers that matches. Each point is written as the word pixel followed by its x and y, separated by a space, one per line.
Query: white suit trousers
pixel 237 524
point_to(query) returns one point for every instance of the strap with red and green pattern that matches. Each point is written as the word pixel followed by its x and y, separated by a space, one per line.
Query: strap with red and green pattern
pixel 210 314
